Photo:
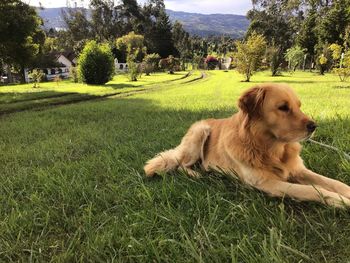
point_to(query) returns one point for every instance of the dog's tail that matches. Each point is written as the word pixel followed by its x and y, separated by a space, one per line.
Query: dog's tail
pixel 163 162
pixel 185 155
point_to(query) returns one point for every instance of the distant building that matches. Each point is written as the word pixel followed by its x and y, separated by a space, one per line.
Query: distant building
pixel 120 67
pixel 62 62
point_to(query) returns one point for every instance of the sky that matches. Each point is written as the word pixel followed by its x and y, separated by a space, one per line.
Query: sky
pixel 239 7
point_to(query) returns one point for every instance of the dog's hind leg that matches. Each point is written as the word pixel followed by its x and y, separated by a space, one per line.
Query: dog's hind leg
pixel 183 156
pixel 192 147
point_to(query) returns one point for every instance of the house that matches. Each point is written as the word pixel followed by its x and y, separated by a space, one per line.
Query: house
pixel 57 64
pixel 120 67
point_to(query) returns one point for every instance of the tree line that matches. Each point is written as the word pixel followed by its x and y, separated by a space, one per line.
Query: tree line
pixel 297 33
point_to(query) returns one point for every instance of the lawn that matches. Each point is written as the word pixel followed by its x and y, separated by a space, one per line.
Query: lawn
pixel 73 189
pixel 22 97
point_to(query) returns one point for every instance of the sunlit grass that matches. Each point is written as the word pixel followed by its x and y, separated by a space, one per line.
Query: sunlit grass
pixel 73 189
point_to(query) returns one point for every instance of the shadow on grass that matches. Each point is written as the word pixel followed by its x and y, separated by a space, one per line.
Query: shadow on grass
pixel 17 102
pixel 14 97
pixel 121 86
pixel 93 154
pixel 341 87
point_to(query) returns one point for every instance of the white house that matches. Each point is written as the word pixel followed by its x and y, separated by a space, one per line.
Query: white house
pixel 120 67
pixel 65 60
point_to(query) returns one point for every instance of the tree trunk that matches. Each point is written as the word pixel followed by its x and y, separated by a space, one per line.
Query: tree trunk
pixel 23 79
pixel 9 74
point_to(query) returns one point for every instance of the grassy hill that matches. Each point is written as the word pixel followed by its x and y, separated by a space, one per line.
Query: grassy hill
pixel 196 24
pixel 73 190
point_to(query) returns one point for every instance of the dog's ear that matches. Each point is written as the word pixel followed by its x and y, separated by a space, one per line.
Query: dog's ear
pixel 251 101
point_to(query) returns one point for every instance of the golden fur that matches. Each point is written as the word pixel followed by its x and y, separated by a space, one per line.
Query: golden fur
pixel 260 144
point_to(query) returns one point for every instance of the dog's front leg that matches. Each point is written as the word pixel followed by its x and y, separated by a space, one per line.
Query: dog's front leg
pixel 303 192
pixel 307 176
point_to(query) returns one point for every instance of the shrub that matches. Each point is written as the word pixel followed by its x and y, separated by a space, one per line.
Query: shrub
pixel 37 76
pixel 96 63
pixel 249 54
pixel 322 61
pixel 211 62
pixel 73 74
pixel 295 57
pixel 170 63
pixel 344 71
pixel 197 61
pixel 150 63
pixel 133 68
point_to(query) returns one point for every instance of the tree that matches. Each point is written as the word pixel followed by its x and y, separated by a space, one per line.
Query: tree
pixel 336 53
pixel 344 71
pixel 295 56
pixel 333 18
pixel 20 34
pixel 276 22
pixel 307 37
pixel 157 29
pixel 170 63
pixel 133 45
pixel 250 54
pixel 182 43
pixel 96 63
pixel 79 29
pixel 150 63
pixel 211 62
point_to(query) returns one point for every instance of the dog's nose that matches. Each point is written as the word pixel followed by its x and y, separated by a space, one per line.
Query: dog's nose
pixel 311 126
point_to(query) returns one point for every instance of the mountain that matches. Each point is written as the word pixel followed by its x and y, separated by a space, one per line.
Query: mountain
pixel 196 24
pixel 214 24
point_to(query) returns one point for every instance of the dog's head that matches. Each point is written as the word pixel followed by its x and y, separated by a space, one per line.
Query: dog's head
pixel 276 108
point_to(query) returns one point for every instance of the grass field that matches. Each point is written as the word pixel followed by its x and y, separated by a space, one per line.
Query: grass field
pixel 72 187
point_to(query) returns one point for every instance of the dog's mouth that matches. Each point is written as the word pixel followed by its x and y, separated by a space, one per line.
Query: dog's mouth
pixel 309 136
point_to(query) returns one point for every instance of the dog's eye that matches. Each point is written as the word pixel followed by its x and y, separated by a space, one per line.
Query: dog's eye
pixel 284 108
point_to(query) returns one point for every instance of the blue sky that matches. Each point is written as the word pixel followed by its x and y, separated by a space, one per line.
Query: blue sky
pixel 239 7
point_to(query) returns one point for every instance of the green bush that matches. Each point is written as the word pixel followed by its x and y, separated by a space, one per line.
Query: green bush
pixel 96 63
pixel 73 74
pixel 37 76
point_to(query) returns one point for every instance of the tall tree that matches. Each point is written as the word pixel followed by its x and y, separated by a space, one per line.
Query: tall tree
pixel 157 29
pixel 275 19
pixel 20 34
pixel 182 42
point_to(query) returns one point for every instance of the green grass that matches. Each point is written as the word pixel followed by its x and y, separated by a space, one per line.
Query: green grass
pixel 72 187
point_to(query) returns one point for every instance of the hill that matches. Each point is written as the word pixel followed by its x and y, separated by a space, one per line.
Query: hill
pixel 196 24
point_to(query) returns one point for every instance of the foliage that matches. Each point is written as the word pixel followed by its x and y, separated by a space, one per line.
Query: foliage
pixel 182 43
pixel 336 54
pixel 73 74
pixel 295 56
pixel 336 51
pixel 157 29
pixel 150 63
pixel 197 61
pixel 324 61
pixel 250 54
pixel 211 62
pixel 273 59
pixel 37 76
pixel 132 44
pixel 275 21
pixel 170 63
pixel 344 71
pixel 133 68
pixel 20 34
pixel 96 63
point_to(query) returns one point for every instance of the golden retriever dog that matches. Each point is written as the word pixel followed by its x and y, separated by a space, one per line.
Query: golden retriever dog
pixel 259 144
